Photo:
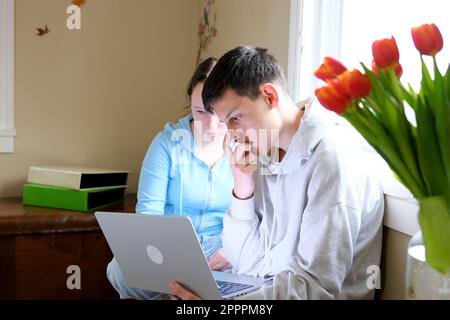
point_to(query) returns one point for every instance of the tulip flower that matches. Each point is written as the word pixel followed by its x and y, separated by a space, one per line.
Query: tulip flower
pixel 332 99
pixel 329 69
pixel 385 52
pixel 427 39
pixel 338 88
pixel 356 84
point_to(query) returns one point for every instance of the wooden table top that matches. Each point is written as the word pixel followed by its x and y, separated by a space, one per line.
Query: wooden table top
pixel 17 219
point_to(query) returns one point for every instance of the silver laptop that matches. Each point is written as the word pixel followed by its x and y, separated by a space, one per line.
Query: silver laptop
pixel 153 250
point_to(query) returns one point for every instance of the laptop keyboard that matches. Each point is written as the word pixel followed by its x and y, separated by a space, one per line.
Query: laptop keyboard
pixel 227 288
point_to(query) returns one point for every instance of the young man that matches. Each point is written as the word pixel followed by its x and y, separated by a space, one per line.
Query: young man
pixel 307 212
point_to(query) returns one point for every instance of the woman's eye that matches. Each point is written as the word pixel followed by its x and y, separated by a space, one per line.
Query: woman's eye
pixel 200 111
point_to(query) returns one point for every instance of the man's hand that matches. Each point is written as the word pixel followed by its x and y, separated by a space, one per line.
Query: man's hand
pixel 243 163
pixel 218 261
pixel 181 293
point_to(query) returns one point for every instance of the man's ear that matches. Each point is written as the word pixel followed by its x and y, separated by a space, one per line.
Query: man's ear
pixel 270 93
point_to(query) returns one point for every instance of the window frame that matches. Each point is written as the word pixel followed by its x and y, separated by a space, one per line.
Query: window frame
pixel 7 130
pixel 317 26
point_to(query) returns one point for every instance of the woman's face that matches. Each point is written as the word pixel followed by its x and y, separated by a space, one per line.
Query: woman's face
pixel 206 124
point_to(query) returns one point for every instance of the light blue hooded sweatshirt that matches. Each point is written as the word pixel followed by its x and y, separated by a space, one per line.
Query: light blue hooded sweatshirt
pixel 174 181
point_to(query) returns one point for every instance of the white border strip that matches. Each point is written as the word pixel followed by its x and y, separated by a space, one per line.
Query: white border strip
pixel 295 46
pixel 315 31
pixel 7 131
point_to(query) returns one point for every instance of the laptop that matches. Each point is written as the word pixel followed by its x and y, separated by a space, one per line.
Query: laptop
pixel 153 250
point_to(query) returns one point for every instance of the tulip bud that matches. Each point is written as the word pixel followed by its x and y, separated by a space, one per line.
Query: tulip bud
pixel 427 39
pixel 385 52
pixel 332 100
pixel 356 84
pixel 329 69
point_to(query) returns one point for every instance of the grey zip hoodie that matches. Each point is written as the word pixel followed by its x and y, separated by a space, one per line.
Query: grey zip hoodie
pixel 326 223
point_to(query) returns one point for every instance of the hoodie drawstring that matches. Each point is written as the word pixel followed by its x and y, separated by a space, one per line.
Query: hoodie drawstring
pixel 268 241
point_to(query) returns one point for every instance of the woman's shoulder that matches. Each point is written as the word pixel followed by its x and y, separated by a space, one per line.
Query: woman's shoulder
pixel 174 132
pixel 178 127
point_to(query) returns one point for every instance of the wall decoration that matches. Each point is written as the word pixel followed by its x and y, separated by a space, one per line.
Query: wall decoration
pixel 42 31
pixel 206 30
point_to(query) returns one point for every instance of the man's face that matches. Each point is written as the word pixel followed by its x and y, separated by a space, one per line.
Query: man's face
pixel 253 121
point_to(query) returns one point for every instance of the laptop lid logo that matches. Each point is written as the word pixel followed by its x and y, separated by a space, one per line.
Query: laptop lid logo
pixel 154 254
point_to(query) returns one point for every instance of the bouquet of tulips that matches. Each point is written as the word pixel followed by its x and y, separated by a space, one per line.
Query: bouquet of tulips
pixel 374 102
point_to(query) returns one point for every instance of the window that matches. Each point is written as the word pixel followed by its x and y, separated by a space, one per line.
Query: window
pixel 315 31
pixel 366 21
pixel 7 131
pixel 345 29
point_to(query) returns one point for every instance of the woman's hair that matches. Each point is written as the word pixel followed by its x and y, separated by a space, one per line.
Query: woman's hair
pixel 200 74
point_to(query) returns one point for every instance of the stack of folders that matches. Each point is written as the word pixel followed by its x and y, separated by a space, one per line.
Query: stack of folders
pixel 74 188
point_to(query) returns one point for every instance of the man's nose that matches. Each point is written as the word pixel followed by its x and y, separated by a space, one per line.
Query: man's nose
pixel 231 126
pixel 212 122
pixel 236 134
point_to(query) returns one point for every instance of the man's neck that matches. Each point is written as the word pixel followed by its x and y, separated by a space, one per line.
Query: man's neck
pixel 292 117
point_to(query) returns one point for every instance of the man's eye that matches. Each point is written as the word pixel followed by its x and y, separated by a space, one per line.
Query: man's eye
pixel 236 118
pixel 201 111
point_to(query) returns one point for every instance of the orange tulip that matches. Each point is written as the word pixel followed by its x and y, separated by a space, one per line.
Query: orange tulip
pixel 332 100
pixel 338 87
pixel 329 69
pixel 427 39
pixel 356 84
pixel 385 52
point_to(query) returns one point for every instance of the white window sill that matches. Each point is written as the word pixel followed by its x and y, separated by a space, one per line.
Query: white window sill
pixel 7 131
pixel 401 208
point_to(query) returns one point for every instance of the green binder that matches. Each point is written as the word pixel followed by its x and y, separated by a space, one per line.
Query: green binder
pixel 69 199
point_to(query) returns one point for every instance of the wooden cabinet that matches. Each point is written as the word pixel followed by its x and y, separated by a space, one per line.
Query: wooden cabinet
pixel 37 245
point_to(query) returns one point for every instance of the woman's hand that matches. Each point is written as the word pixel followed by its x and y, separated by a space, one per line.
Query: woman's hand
pixel 218 261
pixel 181 293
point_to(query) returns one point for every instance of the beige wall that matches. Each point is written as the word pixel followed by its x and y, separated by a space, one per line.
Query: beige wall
pixel 393 264
pixel 262 23
pixel 96 96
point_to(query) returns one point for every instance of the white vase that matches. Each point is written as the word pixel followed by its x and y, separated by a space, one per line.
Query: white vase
pixel 422 281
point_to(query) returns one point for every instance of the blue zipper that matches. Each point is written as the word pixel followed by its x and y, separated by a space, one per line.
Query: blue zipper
pixel 209 193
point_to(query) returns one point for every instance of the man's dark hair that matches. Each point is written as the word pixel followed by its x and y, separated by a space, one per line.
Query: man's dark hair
pixel 200 74
pixel 243 69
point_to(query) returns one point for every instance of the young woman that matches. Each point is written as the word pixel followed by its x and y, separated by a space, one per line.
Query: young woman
pixel 185 172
